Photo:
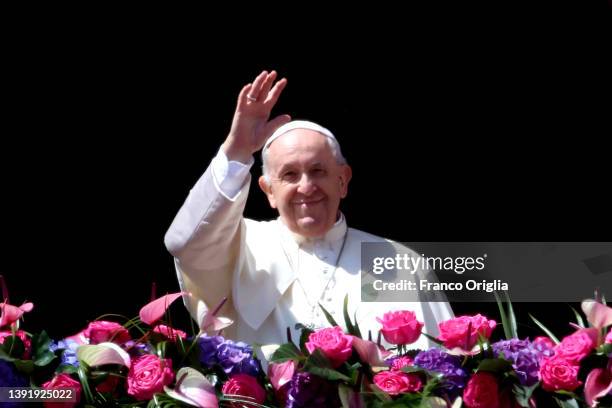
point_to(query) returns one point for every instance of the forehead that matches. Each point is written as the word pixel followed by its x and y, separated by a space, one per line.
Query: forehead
pixel 299 144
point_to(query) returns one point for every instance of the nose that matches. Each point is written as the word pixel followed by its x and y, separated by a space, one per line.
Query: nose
pixel 306 185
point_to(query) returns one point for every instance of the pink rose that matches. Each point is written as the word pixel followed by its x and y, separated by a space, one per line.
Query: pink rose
pixel 245 386
pixel 559 374
pixel 454 332
pixel 609 337
pixel 101 331
pixel 332 341
pixel 148 375
pixel 400 327
pixel 544 342
pixel 170 333
pixel 482 391
pixel 397 382
pixel 27 344
pixel 575 347
pixel 398 363
pixel 63 381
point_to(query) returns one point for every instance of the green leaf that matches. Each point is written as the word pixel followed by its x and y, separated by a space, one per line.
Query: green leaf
pixel 432 338
pixel 495 365
pixel 287 351
pixel 13 346
pixel 522 393
pixel 503 316
pixel 578 317
pixel 347 319
pixel 82 371
pixel 305 333
pixel 548 332
pixel 319 365
pixel 570 403
pixel 24 366
pixel 40 345
pixel 328 316
pixel 511 316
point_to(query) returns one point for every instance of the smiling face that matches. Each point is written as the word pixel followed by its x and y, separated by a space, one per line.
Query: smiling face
pixel 306 182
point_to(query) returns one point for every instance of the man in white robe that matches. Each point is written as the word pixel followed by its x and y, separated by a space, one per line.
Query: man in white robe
pixel 276 273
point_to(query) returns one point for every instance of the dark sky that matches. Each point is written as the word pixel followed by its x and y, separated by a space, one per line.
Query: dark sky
pixel 491 130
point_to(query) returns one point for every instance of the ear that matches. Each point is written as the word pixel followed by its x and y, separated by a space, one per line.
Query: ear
pixel 345 177
pixel 267 189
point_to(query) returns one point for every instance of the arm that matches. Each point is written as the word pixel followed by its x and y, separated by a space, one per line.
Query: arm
pixel 208 221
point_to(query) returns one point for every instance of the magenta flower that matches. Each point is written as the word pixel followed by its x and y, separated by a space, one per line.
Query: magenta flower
pixel 400 327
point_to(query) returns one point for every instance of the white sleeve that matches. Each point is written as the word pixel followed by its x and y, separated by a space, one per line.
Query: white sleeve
pixel 228 175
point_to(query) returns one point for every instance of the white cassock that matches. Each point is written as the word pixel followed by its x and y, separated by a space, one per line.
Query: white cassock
pixel 273 278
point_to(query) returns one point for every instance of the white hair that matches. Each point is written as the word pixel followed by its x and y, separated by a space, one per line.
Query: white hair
pixel 331 142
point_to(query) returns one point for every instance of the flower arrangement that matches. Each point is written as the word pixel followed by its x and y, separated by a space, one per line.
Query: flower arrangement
pixel 145 361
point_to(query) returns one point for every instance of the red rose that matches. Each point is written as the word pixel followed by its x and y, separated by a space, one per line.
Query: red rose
pixel 332 341
pixel 454 332
pixel 400 327
pixel 148 375
pixel 575 347
pixel 397 382
pixel 63 381
pixel 101 331
pixel 245 386
pixel 557 373
pixel 482 391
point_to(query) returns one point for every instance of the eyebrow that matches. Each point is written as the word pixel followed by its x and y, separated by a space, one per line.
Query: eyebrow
pixel 292 165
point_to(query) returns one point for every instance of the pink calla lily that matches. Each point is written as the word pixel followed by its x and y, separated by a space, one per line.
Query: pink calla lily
pixel 155 310
pixel 193 388
pixel 9 314
pixel 598 384
pixel 370 352
pixel 281 373
pixel 597 314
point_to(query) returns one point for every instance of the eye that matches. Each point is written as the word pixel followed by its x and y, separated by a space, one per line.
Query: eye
pixel 289 176
pixel 318 172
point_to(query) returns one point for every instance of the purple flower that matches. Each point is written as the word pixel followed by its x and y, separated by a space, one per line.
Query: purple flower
pixel 449 366
pixel 10 377
pixel 69 356
pixel 138 349
pixel 524 358
pixel 310 391
pixel 237 358
pixel 208 349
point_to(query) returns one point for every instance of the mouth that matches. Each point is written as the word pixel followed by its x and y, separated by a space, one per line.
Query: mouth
pixel 308 201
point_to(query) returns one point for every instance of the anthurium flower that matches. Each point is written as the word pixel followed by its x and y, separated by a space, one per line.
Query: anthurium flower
pixel 597 314
pixel 281 373
pixel 103 353
pixel 193 388
pixel 210 323
pixel 155 310
pixel 9 314
pixel 370 352
pixel 598 384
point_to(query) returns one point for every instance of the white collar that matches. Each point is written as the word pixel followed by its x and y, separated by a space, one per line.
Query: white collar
pixel 335 234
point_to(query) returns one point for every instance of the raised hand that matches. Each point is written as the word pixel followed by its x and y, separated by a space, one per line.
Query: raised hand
pixel 251 125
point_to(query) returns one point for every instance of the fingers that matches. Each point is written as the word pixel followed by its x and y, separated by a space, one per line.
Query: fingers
pixel 266 85
pixel 258 84
pixel 277 122
pixel 276 91
pixel 242 96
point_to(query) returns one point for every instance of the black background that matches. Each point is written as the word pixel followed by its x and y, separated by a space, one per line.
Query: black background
pixel 459 125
